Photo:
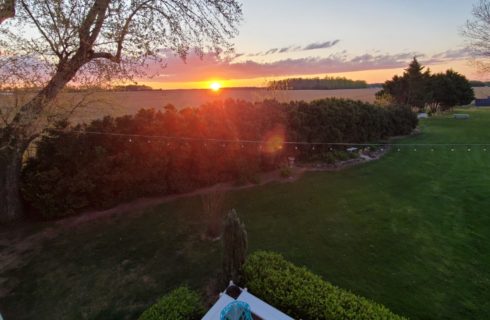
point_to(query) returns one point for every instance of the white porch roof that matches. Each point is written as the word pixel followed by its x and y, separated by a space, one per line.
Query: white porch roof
pixel 257 306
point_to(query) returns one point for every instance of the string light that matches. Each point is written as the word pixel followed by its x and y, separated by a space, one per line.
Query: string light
pixel 224 142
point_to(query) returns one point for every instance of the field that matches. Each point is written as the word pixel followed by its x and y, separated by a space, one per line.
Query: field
pixel 121 103
pixel 100 104
pixel 411 231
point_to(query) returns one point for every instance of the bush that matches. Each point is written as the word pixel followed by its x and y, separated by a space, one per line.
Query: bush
pixel 180 304
pixel 304 295
pixel 335 120
pixel 74 170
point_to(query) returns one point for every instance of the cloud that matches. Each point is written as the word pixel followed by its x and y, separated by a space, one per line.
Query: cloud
pixel 321 45
pixel 271 51
pixel 213 67
pixel 453 54
pixel 293 48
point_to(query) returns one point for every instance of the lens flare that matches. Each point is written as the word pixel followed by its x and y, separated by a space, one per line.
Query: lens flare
pixel 274 140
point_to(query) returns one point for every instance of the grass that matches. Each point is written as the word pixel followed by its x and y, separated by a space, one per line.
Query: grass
pixel 411 231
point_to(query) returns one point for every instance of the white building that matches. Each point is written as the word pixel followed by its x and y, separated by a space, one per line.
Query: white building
pixel 236 303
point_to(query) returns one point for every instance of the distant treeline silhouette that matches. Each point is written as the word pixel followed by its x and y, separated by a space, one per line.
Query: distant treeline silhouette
pixel 479 84
pixel 326 83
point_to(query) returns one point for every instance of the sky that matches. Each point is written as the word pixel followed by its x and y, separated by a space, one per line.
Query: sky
pixel 368 40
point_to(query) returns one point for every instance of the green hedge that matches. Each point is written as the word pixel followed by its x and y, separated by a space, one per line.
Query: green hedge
pixel 304 295
pixel 75 170
pixel 180 304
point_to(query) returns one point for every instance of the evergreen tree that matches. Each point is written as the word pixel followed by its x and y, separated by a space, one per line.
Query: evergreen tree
pixel 417 83
pixel 234 248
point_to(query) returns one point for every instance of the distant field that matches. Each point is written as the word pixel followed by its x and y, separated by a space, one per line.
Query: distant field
pixel 119 103
pixel 122 103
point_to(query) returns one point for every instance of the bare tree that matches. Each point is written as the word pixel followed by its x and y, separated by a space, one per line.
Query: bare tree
pixel 50 43
pixel 477 32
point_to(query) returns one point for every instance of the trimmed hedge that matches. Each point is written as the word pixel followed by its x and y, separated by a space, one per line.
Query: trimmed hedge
pixel 75 170
pixel 304 295
pixel 180 304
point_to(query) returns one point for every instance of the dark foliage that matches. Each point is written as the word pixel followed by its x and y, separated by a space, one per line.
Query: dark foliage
pixel 419 89
pixel 75 169
pixel 180 304
pixel 451 89
pixel 344 121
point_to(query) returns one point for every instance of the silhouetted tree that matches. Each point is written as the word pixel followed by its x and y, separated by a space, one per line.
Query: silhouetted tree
pixel 419 89
pixel 451 89
pixel 409 89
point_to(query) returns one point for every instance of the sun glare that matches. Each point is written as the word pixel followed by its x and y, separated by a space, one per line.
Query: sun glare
pixel 215 86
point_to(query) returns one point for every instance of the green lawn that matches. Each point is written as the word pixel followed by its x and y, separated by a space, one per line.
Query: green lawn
pixel 411 231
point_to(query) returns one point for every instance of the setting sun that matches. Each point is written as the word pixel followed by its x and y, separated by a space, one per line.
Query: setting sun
pixel 215 86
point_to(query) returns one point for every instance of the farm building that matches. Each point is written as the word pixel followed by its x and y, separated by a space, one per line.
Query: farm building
pixel 482 102
pixel 237 303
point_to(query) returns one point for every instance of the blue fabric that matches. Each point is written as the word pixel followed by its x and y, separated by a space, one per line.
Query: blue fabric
pixel 236 310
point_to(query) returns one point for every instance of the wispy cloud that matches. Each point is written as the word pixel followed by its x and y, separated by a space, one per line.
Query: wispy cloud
pixel 453 54
pixel 211 66
pixel 295 48
pixel 321 45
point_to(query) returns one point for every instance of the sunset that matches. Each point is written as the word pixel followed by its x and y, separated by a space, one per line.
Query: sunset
pixel 368 41
pixel 244 160
pixel 215 86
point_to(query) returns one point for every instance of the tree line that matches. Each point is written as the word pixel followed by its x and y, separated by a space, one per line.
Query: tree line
pixel 326 83
pixel 75 169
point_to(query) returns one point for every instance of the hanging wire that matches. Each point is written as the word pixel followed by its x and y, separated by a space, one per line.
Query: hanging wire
pixel 313 145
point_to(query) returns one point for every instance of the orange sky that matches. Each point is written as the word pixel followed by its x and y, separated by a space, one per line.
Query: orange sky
pixel 371 76
pixel 361 40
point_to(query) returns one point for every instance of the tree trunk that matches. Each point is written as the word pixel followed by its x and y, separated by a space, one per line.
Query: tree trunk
pixel 10 171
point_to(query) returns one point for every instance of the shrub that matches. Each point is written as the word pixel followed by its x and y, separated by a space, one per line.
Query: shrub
pixel 180 304
pixel 74 170
pixel 304 295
